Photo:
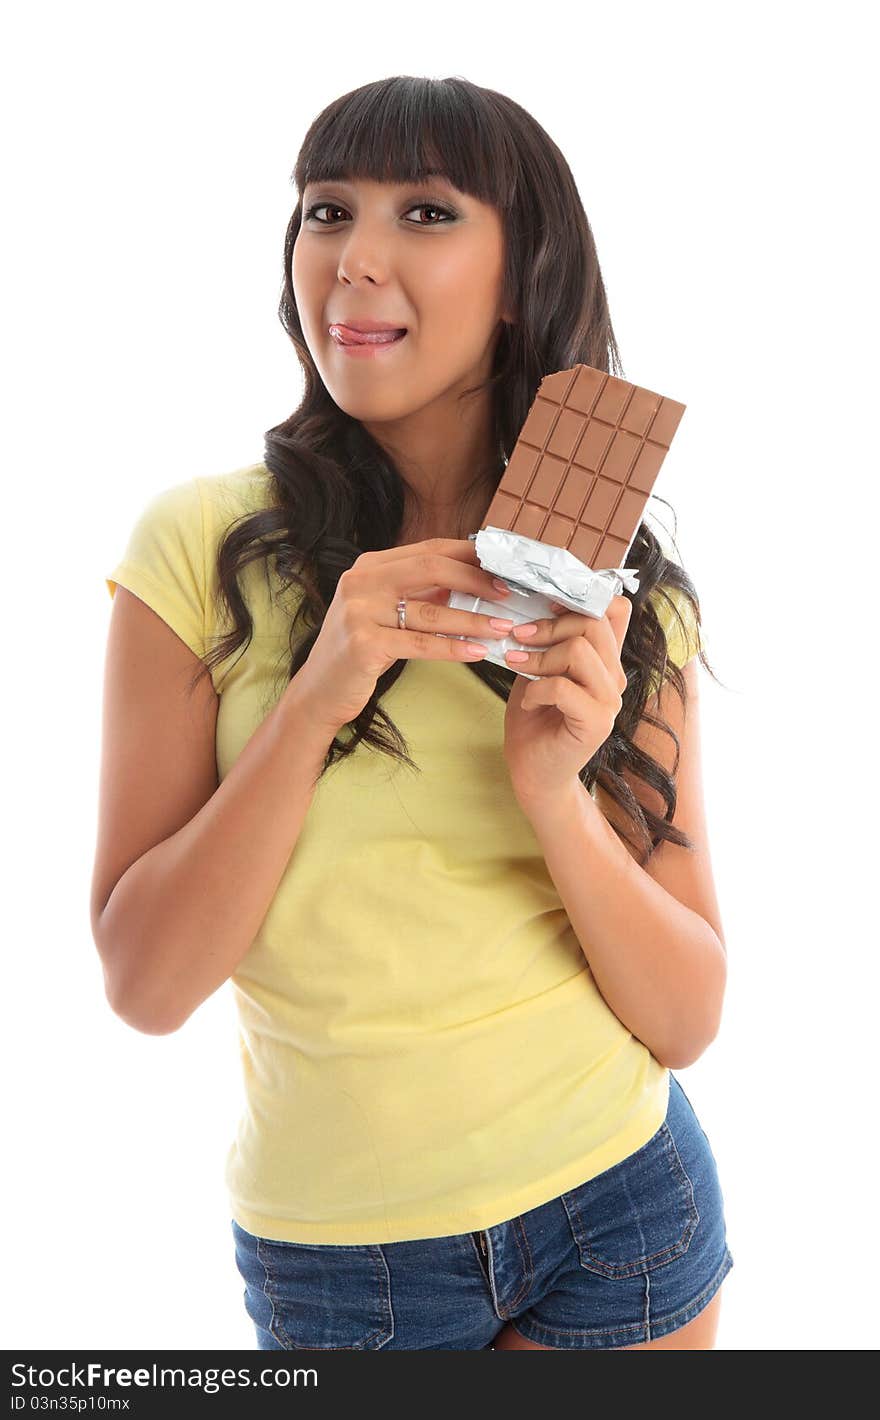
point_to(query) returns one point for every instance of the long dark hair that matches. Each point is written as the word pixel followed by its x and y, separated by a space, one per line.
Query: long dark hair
pixel 338 493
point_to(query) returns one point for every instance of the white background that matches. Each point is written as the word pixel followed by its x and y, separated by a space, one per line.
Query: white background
pixel 722 155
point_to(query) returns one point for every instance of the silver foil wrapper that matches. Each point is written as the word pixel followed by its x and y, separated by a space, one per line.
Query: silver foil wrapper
pixel 537 574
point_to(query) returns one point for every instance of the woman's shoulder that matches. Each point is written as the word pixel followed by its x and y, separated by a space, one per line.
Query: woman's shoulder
pixel 239 491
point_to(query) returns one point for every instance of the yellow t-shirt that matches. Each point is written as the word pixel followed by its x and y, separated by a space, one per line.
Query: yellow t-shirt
pixel 424 1048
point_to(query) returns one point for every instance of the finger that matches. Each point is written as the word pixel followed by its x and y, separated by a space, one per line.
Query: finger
pixel 429 594
pixel 547 630
pixel 395 577
pixel 607 632
pixel 568 698
pixel 436 616
pixel 618 615
pixel 620 604
pixel 461 548
pixel 550 630
pixel 431 646
pixel 576 658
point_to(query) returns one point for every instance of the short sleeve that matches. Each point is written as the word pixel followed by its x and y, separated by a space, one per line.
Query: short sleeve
pixel 683 640
pixel 164 562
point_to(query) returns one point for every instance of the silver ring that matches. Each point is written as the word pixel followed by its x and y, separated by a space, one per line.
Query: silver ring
pixel 401 613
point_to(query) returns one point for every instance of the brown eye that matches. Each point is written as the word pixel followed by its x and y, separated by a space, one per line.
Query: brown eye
pixel 331 207
pixel 431 207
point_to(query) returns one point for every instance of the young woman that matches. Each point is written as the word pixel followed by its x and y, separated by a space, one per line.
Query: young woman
pixel 468 916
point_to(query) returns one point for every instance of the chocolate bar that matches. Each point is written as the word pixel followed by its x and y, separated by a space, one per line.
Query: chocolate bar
pixel 584 464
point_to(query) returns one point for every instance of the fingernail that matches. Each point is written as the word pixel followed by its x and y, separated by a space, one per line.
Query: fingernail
pixel 517 655
pixel 473 649
pixel 528 630
pixel 502 586
pixel 499 624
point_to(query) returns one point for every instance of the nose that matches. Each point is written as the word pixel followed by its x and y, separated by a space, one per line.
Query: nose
pixel 363 254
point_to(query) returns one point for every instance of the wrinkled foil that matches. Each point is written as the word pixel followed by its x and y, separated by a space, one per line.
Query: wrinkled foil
pixel 537 574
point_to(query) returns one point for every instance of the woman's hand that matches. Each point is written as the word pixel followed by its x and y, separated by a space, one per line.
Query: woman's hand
pixel 553 726
pixel 360 638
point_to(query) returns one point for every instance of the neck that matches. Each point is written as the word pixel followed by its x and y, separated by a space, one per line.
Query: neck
pixel 450 470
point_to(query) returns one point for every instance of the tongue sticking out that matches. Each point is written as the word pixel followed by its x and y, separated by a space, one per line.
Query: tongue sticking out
pixel 346 336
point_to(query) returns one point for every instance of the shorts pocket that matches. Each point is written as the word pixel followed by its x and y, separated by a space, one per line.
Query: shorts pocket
pixel 637 1215
pixel 327 1297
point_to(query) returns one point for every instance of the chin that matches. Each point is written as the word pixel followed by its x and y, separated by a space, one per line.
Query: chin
pixel 380 406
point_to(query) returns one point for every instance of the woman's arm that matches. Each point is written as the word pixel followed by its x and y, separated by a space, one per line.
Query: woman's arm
pixel 652 936
pixel 186 868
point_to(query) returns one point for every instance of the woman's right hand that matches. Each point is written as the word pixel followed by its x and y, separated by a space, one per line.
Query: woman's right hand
pixel 360 638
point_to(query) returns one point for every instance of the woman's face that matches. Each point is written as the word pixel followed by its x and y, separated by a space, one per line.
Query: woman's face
pixel 423 256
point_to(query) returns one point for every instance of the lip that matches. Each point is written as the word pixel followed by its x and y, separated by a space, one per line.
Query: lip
pixel 365 327
pixel 368 350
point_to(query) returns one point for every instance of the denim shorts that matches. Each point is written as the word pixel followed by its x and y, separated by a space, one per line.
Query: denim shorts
pixel 626 1257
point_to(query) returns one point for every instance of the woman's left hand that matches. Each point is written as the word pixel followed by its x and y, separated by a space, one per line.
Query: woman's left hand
pixel 554 725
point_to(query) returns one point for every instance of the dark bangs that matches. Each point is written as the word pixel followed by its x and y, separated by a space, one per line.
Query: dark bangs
pixel 404 129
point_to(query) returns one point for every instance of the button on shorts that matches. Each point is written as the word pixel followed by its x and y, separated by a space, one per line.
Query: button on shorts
pixel 626 1257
